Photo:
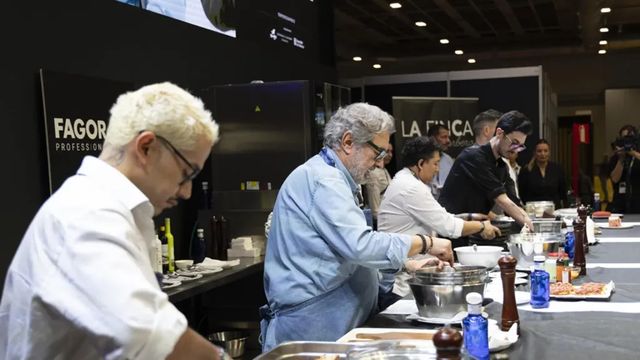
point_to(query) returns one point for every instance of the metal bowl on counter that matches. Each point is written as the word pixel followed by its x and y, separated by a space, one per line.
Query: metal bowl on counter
pixel 524 246
pixel 442 293
pixel 232 341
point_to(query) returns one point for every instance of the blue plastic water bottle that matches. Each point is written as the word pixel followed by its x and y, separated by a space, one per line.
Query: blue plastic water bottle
pixel 568 244
pixel 596 202
pixel 539 284
pixel 475 329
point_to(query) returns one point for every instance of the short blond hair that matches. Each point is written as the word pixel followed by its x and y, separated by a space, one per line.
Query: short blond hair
pixel 165 109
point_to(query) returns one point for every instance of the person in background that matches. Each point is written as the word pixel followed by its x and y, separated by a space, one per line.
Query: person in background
pixel 478 176
pixel 441 134
pixel 408 207
pixel 514 170
pixel 624 168
pixel 484 125
pixel 603 185
pixel 377 183
pixel 542 179
pixel 81 284
pixel 322 260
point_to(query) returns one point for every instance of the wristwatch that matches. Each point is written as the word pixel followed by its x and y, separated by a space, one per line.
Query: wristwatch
pixel 424 249
pixel 483 227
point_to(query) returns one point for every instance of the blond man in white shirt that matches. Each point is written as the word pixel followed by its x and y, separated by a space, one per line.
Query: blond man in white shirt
pixel 81 285
pixel 408 206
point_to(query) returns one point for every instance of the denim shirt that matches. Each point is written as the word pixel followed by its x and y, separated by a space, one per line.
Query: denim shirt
pixel 321 262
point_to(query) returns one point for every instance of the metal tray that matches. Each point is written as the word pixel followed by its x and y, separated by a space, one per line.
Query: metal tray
pixel 307 350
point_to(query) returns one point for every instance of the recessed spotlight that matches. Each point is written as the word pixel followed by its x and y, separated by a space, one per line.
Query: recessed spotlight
pixel 471 61
pixel 604 29
pixel 605 10
pixel 603 42
pixel 357 58
pixel 602 51
pixel 377 66
pixel 459 52
pixel 444 41
pixel 421 23
pixel 395 5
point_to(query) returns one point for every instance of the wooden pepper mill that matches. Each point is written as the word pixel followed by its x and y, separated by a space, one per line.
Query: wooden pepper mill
pixel 510 316
pixel 448 342
pixel 583 212
pixel 578 245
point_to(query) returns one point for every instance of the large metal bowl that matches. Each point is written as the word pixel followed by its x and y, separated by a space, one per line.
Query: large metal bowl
pixel 442 294
pixel 525 246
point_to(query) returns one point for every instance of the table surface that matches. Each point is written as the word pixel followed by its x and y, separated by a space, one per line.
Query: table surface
pixel 189 289
pixel 577 335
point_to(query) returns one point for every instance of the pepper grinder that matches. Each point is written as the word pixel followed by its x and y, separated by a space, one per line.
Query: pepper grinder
pixel 578 247
pixel 510 316
pixel 448 342
pixel 582 214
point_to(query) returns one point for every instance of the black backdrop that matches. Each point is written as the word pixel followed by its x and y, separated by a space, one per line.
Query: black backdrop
pixel 107 39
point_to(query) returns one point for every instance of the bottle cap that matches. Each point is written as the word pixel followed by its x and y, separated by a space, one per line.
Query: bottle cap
pixel 474 298
pixel 538 258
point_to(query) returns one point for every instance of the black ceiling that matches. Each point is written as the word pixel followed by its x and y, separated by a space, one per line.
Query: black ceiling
pixel 496 29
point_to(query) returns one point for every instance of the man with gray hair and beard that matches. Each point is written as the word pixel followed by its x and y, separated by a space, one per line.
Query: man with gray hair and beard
pixel 322 260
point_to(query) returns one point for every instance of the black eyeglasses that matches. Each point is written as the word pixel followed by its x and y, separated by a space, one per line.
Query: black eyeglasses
pixel 195 170
pixel 515 146
pixel 381 152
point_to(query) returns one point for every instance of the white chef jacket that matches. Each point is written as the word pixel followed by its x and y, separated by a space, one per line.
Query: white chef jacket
pixel 81 285
pixel 408 207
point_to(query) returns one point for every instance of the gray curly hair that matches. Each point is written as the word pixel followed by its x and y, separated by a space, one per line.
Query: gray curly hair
pixel 364 121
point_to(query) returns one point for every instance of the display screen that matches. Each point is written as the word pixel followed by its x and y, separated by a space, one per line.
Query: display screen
pixel 284 23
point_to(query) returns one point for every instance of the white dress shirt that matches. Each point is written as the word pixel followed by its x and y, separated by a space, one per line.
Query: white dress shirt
pixel 81 285
pixel 408 207
pixel 446 162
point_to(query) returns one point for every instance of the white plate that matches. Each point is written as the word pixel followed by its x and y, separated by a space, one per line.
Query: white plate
pixel 496 275
pixel 566 212
pixel 168 284
pixel 608 289
pixel 522 297
pixel 606 217
pixel 520 281
pixel 623 226
pixel 457 319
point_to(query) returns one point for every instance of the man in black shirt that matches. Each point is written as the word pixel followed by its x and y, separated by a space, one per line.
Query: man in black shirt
pixel 478 176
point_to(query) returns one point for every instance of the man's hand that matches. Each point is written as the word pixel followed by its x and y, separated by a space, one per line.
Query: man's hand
pixel 414 265
pixel 490 231
pixel 441 249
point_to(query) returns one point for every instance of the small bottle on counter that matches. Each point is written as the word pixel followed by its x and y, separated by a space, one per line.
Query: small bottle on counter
pixel 165 251
pixel 199 247
pixel 157 249
pixel 550 266
pixel 475 328
pixel 539 284
pixel 170 246
pixel 596 202
pixel 560 265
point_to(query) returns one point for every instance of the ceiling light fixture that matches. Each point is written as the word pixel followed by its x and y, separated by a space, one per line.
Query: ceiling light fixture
pixel 603 42
pixel 605 10
pixel 421 23
pixel 357 58
pixel 377 66
pixel 395 5
pixel 444 41
pixel 471 61
pixel 602 51
pixel 459 52
pixel 604 29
